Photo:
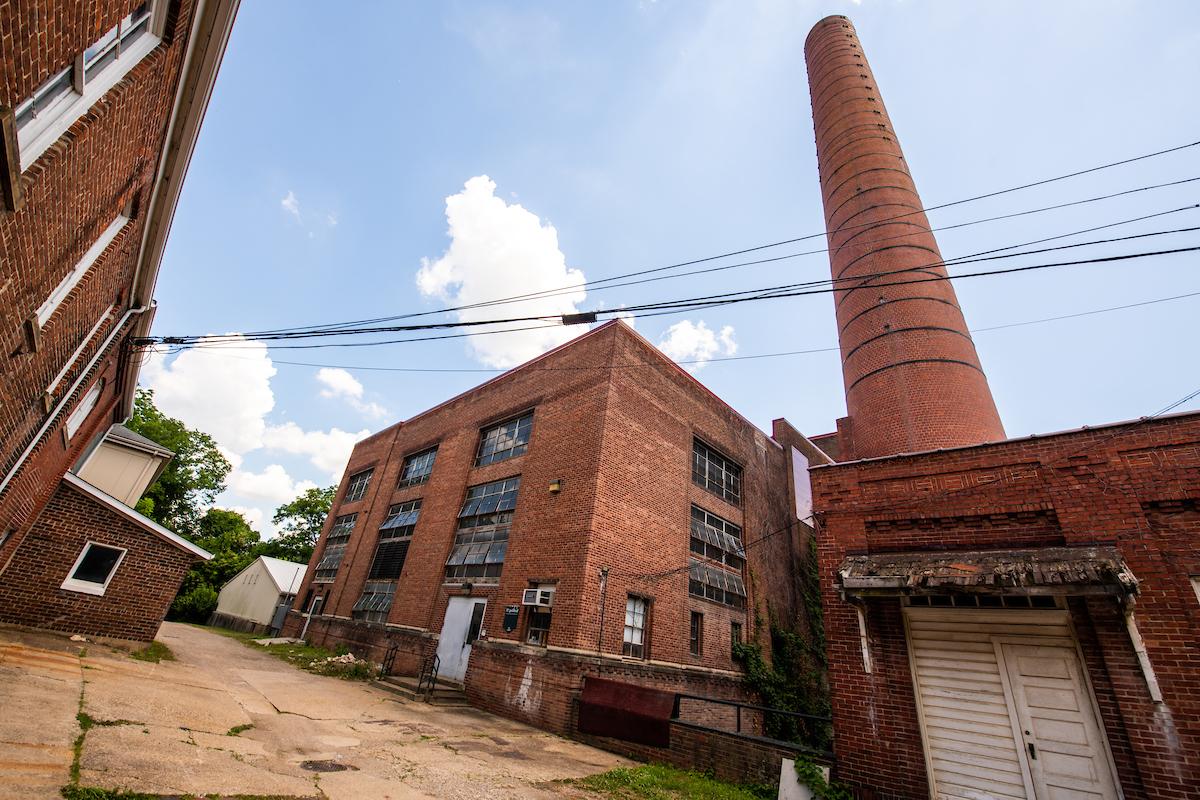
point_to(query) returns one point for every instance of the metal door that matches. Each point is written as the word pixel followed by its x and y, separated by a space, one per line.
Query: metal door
pixel 461 627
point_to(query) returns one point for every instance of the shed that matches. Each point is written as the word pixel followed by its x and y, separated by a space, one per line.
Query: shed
pixel 248 602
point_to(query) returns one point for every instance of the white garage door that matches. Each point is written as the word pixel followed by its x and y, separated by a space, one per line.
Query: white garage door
pixel 1005 709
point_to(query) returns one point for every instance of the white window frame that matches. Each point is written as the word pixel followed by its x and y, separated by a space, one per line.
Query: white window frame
pixel 35 137
pixel 82 411
pixel 67 284
pixel 632 601
pixel 88 587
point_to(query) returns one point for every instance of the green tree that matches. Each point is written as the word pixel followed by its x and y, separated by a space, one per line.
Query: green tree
pixel 233 544
pixel 192 478
pixel 300 524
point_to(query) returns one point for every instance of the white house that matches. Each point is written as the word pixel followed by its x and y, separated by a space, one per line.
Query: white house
pixel 251 599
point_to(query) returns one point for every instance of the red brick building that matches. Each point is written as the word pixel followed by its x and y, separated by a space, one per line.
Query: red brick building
pixel 100 105
pixel 586 513
pixel 1004 618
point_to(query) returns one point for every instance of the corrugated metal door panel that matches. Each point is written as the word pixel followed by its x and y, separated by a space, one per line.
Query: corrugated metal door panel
pixel 968 731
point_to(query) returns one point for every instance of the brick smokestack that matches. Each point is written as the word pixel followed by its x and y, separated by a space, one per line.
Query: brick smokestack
pixel 913 379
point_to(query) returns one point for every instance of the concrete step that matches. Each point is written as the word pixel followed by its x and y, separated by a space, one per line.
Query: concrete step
pixel 444 694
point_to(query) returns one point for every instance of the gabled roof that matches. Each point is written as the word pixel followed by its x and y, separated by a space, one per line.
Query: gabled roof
pixel 286 575
pixel 122 435
pixel 150 525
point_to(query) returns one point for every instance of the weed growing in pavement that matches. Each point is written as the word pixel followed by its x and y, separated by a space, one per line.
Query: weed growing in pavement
pixel 319 660
pixel 154 652
pixel 238 730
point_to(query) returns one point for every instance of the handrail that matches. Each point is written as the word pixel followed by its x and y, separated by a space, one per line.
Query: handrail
pixel 721 701
pixel 813 739
pixel 427 678
pixel 389 660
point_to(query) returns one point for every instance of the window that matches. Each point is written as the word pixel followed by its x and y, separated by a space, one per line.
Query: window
pixel 417 468
pixel 716 473
pixel 506 440
pixel 717 538
pixel 735 636
pixel 636 609
pixel 335 547
pixel 983 601
pixel 537 625
pixel 375 602
pixel 395 534
pixel 94 568
pixel 67 95
pixel 356 489
pixel 63 290
pixel 715 583
pixel 696 634
pixel 483 525
pixel 86 406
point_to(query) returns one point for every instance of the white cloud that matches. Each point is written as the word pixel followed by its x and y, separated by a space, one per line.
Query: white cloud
pixel 341 384
pixel 225 394
pixel 256 518
pixel 499 250
pixel 273 484
pixel 327 450
pixel 331 220
pixel 291 205
pixel 694 344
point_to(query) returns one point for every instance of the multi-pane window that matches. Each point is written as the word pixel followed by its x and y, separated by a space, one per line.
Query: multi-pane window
pixel 634 641
pixel 335 547
pixel 717 538
pixel 716 473
pixel 735 636
pixel 356 489
pixel 395 534
pixel 375 601
pixel 94 568
pixel 504 440
pixel 417 468
pixel 483 525
pixel 45 115
pixel 696 634
pixel 715 583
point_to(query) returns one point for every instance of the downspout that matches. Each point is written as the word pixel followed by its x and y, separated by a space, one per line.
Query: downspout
pixel 860 609
pixel 1139 648
pixel 603 587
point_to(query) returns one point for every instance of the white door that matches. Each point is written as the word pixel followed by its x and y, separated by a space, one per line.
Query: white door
pixel 1053 716
pixel 464 618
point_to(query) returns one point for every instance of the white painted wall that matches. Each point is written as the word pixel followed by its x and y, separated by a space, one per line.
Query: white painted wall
pixel 120 471
pixel 251 594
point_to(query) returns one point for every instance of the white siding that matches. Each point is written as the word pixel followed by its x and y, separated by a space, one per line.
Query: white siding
pixel 964 716
pixel 251 594
pixel 122 472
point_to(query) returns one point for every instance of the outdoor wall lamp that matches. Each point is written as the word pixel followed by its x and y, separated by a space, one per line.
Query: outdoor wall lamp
pixel 556 485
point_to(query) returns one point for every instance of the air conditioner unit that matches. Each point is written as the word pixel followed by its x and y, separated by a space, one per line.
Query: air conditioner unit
pixel 538 597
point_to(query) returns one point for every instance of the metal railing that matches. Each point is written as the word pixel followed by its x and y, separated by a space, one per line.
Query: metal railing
pixel 389 661
pixel 812 733
pixel 427 678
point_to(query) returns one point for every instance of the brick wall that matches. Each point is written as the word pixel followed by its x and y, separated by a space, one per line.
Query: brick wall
pixel 72 192
pixel 1135 486
pixel 137 597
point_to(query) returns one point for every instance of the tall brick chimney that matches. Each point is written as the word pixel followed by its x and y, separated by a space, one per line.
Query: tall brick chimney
pixel 913 379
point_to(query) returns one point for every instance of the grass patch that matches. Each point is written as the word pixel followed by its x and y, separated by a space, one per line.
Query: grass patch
pixel 96 793
pixel 658 782
pixel 153 652
pixel 306 657
pixel 238 730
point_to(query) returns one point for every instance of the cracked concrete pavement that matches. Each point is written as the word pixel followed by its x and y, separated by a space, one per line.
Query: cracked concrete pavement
pixel 164 729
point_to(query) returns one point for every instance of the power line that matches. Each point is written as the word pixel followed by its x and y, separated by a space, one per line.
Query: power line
pixel 785 290
pixel 806 237
pixel 751 357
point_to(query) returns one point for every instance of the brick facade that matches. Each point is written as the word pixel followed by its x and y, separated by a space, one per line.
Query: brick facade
pixel 125 155
pixel 136 599
pixel 913 379
pixel 1135 486
pixel 614 421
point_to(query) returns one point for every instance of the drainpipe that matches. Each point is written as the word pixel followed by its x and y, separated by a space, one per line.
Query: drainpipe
pixel 860 609
pixel 603 587
pixel 1139 647
pixel 308 617
pixel 69 393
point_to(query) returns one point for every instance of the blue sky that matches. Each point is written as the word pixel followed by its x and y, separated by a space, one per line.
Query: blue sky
pixel 627 135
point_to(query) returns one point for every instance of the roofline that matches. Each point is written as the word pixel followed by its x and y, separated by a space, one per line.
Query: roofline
pixel 300 568
pixel 116 505
pixel 152 448
pixel 1017 440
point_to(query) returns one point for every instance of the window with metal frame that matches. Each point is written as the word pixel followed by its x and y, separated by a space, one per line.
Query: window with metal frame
pixel 375 602
pixel 717 538
pixel 67 95
pixel 735 637
pixel 481 543
pixel 715 583
pixel 716 473
pixel 395 534
pixel 634 641
pixel 983 601
pixel 335 548
pixel 356 489
pixel 417 468
pixel 537 627
pixel 696 634
pixel 93 570
pixel 504 440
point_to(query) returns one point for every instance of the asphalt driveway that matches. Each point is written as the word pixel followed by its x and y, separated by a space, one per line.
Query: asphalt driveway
pixel 226 720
